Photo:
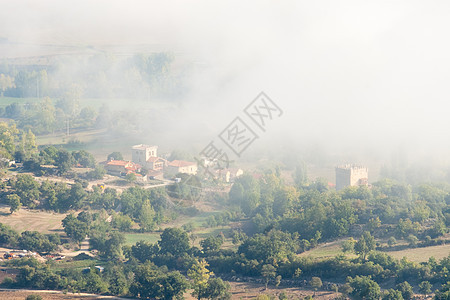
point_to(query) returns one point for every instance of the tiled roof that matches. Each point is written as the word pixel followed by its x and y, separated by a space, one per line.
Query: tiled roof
pixel 181 163
pixel 117 163
pixel 153 159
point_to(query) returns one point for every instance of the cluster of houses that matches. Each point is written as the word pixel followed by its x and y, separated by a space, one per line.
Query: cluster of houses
pixel 145 157
pixel 19 254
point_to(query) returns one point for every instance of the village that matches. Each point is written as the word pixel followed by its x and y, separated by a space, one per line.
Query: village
pixel 145 165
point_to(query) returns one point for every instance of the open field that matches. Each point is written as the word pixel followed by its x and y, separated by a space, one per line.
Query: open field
pixel 27 219
pixel 422 254
pixel 326 250
pixel 239 290
pixel 47 295
pixel 245 290
pixel 133 238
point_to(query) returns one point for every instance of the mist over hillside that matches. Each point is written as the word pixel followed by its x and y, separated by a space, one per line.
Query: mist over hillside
pixel 362 82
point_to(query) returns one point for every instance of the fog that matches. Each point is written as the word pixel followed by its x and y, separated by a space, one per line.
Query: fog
pixel 359 80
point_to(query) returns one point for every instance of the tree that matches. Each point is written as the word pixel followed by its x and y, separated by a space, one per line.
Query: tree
pixel 6 82
pixel 115 156
pixel 74 228
pixel 146 216
pixel 26 188
pixel 84 158
pixel 425 287
pixel 300 174
pixel 199 274
pixel 392 294
pixel 28 144
pixel 348 245
pixel 412 240
pixel 212 243
pixel 373 224
pixel 144 251
pixel 406 289
pixel 364 245
pixel 96 174
pixel 346 289
pixel 8 136
pixel 14 202
pixel 268 272
pixel 392 241
pixel 33 297
pixel 64 161
pixel 217 289
pixel 315 283
pixel 364 287
pixel 174 241
pixel 151 283
pixel 131 177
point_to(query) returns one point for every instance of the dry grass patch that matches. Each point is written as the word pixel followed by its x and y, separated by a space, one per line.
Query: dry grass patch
pixel 28 219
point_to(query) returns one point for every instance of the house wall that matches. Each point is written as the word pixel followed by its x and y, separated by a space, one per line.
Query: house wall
pixel 140 156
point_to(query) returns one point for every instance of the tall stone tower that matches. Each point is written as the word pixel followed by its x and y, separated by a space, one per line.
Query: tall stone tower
pixel 141 153
pixel 351 175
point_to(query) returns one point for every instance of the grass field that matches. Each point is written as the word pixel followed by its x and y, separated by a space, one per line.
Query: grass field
pixel 414 254
pixel 422 254
pixel 25 219
pixel 133 238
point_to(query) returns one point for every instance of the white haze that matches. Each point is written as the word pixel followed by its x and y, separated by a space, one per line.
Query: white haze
pixel 351 76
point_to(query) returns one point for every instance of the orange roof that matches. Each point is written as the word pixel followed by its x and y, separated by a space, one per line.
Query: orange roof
pixel 153 159
pixel 181 163
pixel 117 163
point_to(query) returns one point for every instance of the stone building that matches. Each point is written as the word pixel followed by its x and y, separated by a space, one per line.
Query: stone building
pixel 351 175
pixel 181 166
pixel 140 154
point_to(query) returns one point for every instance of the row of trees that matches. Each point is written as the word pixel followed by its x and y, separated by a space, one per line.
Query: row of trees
pixel 96 76
pixel 317 213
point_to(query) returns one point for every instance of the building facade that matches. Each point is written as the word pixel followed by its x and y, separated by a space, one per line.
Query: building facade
pixel 351 175
pixel 140 154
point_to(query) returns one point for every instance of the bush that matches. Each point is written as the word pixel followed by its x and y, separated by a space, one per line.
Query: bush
pixel 34 297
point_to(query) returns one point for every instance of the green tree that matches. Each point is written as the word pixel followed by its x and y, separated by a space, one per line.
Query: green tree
pixel 74 228
pixel 392 241
pixel 406 289
pixel 6 82
pixel 364 287
pixel 64 161
pixel 364 245
pixel 268 272
pixel 199 274
pixel 212 243
pixel 115 156
pixel 144 251
pixel 146 217
pixel 27 189
pixel 14 203
pixel 300 174
pixel 174 241
pixel 8 137
pixel 131 177
pixel 217 289
pixel 392 294
pixel 150 283
pixel 348 245
pixel 34 297
pixel 412 240
pixel 315 283
pixel 425 287
pixel 84 158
